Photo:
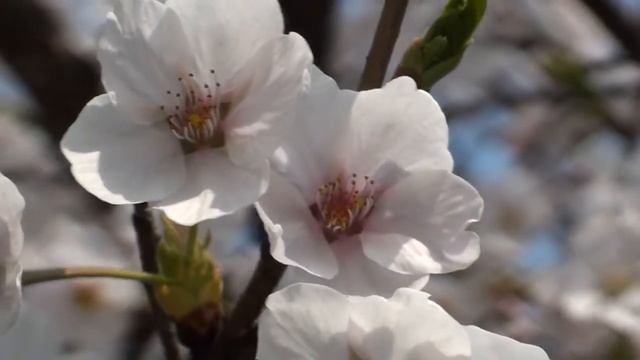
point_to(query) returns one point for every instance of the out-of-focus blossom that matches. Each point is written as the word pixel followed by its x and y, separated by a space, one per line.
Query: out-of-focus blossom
pixel 197 94
pixel 505 211
pixel 307 321
pixel 600 280
pixel 90 314
pixel 364 195
pixel 11 237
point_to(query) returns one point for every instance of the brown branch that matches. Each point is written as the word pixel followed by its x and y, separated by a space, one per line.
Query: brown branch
pixel 610 15
pixel 147 243
pixel 383 42
pixel 239 329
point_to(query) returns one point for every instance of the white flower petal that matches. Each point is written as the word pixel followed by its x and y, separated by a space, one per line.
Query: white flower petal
pixel 224 34
pixel 214 187
pixel 398 124
pixel 425 215
pixel 489 346
pixel 138 17
pixel 358 275
pixel 11 208
pixel 408 326
pixel 143 50
pixel 304 321
pixel 11 239
pixel 254 128
pixel 308 157
pixel 296 237
pixel 10 294
pixel 119 161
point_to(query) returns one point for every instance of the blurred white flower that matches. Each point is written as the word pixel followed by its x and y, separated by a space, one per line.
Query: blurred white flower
pixel 197 92
pixel 505 209
pixel 11 237
pixel 599 282
pixel 306 321
pixel 364 194
pixel 90 314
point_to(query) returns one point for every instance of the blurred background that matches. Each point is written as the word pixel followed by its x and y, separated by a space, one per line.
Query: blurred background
pixel 544 114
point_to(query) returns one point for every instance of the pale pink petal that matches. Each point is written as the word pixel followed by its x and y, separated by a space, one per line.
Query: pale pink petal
pixel 121 161
pixel 214 187
pixel 274 81
pixel 310 153
pixel 357 274
pixel 296 237
pixel 398 124
pixel 489 346
pixel 143 50
pixel 11 208
pixel 306 322
pixel 418 225
pixel 224 34
pixel 408 326
pixel 10 294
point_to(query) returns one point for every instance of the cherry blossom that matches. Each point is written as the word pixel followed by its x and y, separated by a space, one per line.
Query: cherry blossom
pixel 307 321
pixel 364 194
pixel 197 92
pixel 11 238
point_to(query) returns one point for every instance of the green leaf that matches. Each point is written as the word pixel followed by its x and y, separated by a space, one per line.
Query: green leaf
pixel 439 51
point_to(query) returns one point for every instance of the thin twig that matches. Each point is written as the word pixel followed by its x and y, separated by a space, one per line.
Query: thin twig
pixel 383 42
pixel 237 337
pixel 147 242
pixel 626 32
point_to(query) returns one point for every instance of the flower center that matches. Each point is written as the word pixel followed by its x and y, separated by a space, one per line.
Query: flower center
pixel 194 112
pixel 342 206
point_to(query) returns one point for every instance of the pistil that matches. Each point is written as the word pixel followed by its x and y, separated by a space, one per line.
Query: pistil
pixel 342 206
pixel 194 112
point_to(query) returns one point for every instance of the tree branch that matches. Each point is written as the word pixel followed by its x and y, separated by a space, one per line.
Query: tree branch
pixel 383 42
pixel 266 277
pixel 147 243
pixel 610 15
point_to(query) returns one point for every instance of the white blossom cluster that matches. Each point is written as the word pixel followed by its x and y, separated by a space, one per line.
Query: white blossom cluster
pixel 210 108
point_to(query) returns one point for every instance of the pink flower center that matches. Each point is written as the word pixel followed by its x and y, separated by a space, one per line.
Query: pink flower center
pixel 194 112
pixel 342 206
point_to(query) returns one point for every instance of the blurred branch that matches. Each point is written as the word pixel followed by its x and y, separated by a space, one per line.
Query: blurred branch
pixel 60 81
pixel 147 243
pixel 138 335
pixel 520 98
pixel 312 20
pixel 610 15
pixel 238 330
pixel 383 42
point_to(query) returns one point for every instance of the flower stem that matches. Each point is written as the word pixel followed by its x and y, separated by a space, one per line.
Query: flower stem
pixel 236 335
pixel 31 277
pixel 147 243
pixel 383 42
